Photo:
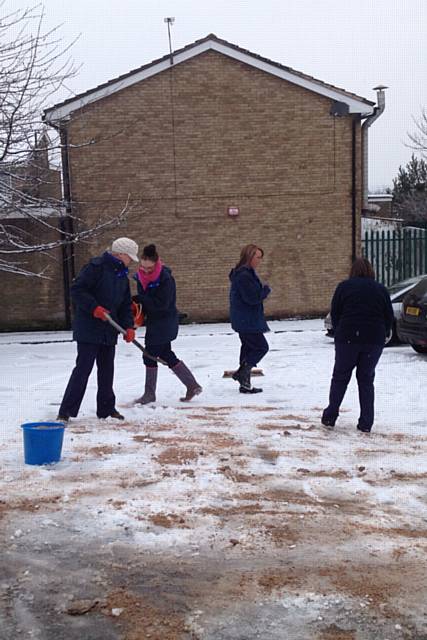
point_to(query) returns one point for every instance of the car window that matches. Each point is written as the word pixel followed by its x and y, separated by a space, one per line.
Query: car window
pixel 397 286
pixel 420 289
pixel 399 298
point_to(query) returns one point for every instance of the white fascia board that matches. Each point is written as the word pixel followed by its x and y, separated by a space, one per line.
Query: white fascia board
pixel 54 115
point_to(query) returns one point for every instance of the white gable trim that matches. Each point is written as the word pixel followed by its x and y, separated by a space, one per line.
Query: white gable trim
pixel 54 115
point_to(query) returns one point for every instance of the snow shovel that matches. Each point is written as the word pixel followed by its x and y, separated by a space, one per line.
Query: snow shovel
pixel 135 342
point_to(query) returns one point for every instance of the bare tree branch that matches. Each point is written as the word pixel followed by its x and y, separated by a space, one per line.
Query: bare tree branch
pixel 419 137
pixel 33 216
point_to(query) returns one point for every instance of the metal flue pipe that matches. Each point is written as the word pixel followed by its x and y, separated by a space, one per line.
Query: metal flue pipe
pixel 378 110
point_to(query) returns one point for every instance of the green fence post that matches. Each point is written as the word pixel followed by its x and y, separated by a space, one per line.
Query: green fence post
pixel 400 251
pixel 388 247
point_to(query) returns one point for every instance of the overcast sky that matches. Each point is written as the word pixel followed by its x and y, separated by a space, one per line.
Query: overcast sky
pixel 354 44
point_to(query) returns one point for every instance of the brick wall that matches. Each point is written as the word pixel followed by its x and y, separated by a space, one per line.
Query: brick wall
pixel 30 303
pixel 211 133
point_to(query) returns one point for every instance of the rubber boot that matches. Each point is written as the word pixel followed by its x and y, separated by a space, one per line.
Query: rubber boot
pixel 243 376
pixel 184 374
pixel 251 390
pixel 150 386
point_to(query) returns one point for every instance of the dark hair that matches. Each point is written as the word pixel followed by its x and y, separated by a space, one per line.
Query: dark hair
pixel 149 253
pixel 247 253
pixel 362 268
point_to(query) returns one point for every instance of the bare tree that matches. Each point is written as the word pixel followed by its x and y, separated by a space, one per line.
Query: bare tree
pixel 410 192
pixel 34 65
pixel 418 139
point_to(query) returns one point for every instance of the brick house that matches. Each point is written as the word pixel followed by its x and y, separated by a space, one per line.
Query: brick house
pixel 215 147
pixel 380 205
pixel 31 199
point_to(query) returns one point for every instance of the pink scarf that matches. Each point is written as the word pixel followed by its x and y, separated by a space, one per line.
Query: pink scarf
pixel 146 278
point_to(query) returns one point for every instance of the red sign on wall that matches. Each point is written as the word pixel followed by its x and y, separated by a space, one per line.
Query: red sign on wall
pixel 233 211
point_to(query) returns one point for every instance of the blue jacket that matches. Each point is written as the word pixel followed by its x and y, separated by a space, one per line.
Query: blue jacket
pixel 361 312
pixel 246 296
pixel 103 281
pixel 159 306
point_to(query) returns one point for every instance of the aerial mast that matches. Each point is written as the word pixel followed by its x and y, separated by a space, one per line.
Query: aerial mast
pixel 169 22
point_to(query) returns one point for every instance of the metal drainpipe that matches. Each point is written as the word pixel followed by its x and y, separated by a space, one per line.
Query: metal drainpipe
pixel 353 189
pixel 66 222
pixel 67 227
pixel 378 110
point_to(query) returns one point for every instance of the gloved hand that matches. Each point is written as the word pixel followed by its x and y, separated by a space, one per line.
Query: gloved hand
pixel 129 336
pixel 267 290
pixel 99 312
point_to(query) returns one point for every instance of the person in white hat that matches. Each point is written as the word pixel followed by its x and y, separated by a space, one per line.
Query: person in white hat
pixel 101 288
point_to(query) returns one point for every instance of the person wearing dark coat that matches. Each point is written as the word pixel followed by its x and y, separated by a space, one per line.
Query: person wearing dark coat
pixel 157 295
pixel 247 294
pixel 101 287
pixel 362 317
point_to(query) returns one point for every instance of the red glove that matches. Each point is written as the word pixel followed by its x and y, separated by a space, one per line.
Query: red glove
pixel 99 312
pixel 129 336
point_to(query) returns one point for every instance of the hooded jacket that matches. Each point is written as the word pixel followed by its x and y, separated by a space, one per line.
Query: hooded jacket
pixel 246 301
pixel 102 282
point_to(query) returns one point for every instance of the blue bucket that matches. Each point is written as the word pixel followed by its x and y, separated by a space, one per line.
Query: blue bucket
pixel 42 442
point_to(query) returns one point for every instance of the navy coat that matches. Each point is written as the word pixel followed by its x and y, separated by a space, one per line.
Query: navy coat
pixel 246 301
pixel 102 282
pixel 361 312
pixel 159 306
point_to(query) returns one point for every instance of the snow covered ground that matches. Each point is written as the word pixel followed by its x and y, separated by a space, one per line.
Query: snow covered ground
pixel 231 517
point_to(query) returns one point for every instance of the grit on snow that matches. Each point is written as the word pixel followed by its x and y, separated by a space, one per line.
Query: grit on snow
pixel 231 517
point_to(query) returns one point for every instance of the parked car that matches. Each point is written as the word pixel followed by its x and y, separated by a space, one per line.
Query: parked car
pixel 397 292
pixel 412 324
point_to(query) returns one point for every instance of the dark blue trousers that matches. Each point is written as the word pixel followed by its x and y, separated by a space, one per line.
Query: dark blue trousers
pixel 87 354
pixel 253 349
pixel 348 356
pixel 163 351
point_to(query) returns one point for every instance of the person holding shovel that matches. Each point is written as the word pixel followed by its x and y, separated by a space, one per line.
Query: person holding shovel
pixel 157 295
pixel 100 290
pixel 247 294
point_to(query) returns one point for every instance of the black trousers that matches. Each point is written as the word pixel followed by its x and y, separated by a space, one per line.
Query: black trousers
pixel 163 351
pixel 87 355
pixel 253 349
pixel 363 357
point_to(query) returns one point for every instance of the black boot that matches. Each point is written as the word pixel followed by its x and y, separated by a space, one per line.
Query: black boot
pixel 364 429
pixel 251 390
pixel 116 415
pixel 150 386
pixel 243 376
pixel 184 374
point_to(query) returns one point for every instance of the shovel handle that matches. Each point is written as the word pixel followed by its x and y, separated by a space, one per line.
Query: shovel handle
pixel 135 342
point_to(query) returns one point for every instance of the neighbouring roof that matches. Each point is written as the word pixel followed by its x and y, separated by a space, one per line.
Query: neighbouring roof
pixel 211 42
pixel 380 197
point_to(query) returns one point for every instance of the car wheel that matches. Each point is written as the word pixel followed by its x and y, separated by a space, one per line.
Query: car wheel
pixel 419 348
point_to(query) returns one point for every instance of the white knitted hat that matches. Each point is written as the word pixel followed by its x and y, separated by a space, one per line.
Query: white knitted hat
pixel 127 246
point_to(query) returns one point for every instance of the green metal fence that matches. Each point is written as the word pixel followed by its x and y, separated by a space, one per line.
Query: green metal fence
pixel 396 255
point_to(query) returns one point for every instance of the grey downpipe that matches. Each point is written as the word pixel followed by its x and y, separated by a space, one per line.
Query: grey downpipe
pixel 67 227
pixel 378 110
pixel 353 189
